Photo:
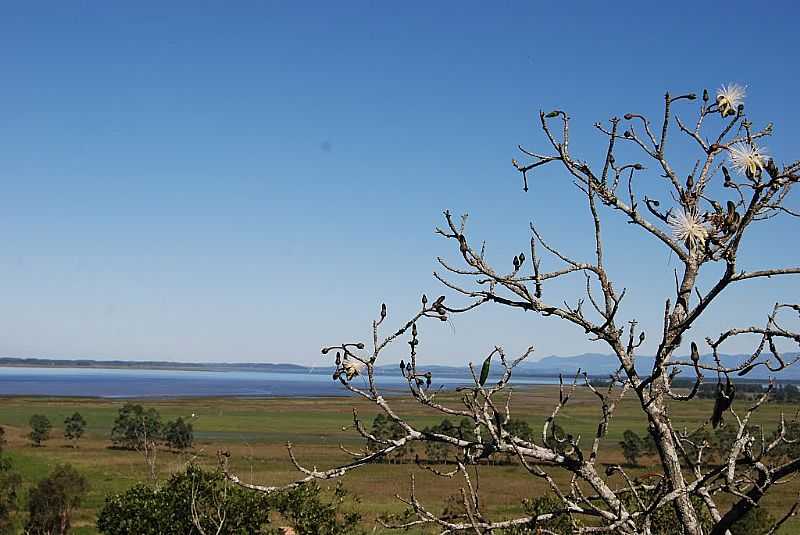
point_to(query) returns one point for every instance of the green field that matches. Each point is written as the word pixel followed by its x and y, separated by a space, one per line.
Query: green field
pixel 255 431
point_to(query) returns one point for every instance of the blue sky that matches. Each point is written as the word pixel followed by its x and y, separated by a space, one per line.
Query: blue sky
pixel 214 182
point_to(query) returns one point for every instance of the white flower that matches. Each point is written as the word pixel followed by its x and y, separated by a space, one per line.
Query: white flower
pixel 688 228
pixel 748 159
pixel 352 367
pixel 729 97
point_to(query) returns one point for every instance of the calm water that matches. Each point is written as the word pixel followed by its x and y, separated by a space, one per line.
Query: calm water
pixel 114 383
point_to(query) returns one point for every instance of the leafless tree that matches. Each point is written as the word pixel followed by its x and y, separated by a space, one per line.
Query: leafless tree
pixel 702 222
pixel 147 445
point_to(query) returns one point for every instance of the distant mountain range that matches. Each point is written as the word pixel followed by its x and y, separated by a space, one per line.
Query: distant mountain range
pixel 595 364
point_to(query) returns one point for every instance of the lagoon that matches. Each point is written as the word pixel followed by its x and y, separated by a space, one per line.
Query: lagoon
pixel 143 383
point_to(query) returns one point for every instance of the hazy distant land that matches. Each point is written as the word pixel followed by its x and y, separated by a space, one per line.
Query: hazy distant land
pixel 596 365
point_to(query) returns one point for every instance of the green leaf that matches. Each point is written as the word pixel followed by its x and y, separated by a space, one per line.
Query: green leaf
pixel 485 370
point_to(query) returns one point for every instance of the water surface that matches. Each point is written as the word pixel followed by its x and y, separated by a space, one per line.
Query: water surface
pixel 127 383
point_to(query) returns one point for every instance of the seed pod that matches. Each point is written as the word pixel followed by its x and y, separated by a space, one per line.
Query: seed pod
pixel 638 166
pixel 695 353
pixel 689 182
pixel 746 370
pixel 772 169
pixel 628 116
pixel 725 395
pixel 705 95
pixel 424 299
pixel 727 175
pixel 552 114
pixel 485 370
pixel 360 345
pixel 641 337
pixel 521 258
pixel 516 263
pixel 383 310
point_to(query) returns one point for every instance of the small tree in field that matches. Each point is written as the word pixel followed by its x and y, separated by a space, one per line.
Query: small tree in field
pixel 52 501
pixel 138 429
pixel 702 209
pixel 74 427
pixel 178 434
pixel 40 429
pixel 135 426
pixel 632 446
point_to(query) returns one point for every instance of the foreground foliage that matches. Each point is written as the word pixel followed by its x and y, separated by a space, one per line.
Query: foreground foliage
pixel 198 501
pixel 52 501
pixel 10 483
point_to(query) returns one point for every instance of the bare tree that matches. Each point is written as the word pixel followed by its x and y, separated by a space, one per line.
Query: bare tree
pixel 702 223
pixel 147 444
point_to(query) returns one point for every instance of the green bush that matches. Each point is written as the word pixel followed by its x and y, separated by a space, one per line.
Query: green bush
pixel 40 429
pixel 205 497
pixel 10 482
pixel 134 425
pixel 52 501
pixel 191 496
pixel 74 427
pixel 178 434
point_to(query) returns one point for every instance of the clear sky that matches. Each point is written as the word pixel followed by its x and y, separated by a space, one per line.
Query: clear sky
pixel 236 181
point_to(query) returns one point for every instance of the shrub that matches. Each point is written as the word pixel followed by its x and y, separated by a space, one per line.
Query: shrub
pixel 178 434
pixel 198 497
pixel 74 427
pixel 134 426
pixel 40 429
pixel 52 501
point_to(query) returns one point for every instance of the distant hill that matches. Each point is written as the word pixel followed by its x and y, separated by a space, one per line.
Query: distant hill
pixel 151 365
pixel 598 364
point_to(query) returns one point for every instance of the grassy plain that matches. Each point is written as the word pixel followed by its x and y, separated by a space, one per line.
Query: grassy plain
pixel 255 431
